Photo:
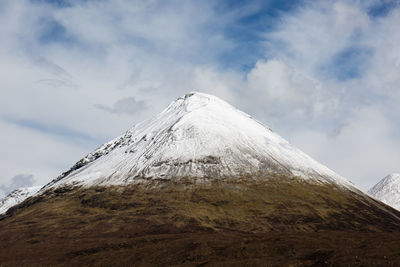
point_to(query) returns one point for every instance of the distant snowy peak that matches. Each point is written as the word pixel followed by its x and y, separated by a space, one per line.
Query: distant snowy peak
pixel 388 190
pixel 17 196
pixel 200 136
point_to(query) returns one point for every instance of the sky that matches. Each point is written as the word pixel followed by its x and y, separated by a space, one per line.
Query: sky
pixel 74 74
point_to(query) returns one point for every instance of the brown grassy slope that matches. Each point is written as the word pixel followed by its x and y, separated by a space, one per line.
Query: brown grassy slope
pixel 221 222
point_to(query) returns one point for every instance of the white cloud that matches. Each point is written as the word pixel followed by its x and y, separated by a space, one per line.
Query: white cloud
pixel 128 105
pixel 281 88
pixel 310 38
pixel 366 148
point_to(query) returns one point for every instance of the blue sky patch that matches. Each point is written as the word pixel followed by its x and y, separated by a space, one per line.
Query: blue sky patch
pixel 53 31
pixel 348 64
pixel 57 3
pixel 247 31
pixel 382 8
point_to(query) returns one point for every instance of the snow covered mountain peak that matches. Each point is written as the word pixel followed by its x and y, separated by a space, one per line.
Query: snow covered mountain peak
pixel 195 100
pixel 388 190
pixel 199 136
pixel 17 196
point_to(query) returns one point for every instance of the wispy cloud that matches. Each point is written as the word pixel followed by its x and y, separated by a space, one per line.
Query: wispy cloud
pixel 128 105
pixel 56 130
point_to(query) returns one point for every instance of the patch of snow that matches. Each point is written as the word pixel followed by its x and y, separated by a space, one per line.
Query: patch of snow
pixel 17 196
pixel 200 136
pixel 388 190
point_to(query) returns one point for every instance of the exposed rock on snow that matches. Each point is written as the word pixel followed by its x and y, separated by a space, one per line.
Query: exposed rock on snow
pixel 388 190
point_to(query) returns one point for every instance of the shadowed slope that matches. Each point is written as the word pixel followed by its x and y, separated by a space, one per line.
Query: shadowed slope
pixel 258 221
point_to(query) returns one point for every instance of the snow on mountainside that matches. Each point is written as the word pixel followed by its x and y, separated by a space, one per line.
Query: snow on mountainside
pixel 197 135
pixel 17 196
pixel 388 190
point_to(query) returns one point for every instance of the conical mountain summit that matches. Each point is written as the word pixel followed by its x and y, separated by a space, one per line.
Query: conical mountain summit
pixel 198 136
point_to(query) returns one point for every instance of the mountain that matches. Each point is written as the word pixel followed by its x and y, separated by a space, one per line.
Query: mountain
pixel 17 196
pixel 201 183
pixel 198 136
pixel 388 190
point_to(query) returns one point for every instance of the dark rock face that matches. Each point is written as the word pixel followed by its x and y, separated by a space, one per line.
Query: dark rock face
pixel 248 220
